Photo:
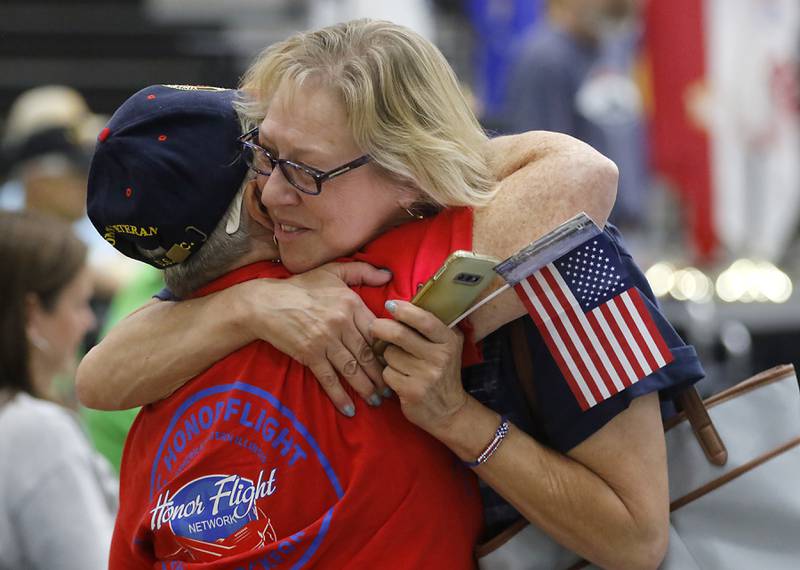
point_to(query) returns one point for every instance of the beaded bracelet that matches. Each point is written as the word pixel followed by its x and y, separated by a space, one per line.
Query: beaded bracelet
pixel 499 436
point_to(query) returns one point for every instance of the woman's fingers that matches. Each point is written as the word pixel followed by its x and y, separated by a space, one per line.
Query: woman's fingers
pixel 329 381
pixel 412 330
pixel 361 348
pixel 401 336
pixel 425 323
pixel 358 273
pixel 340 362
pixel 324 320
pixel 425 375
pixel 351 371
pixel 360 369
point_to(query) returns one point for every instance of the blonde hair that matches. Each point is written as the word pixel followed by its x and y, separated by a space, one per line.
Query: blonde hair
pixel 403 104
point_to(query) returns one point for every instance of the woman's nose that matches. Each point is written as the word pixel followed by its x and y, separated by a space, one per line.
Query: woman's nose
pixel 276 190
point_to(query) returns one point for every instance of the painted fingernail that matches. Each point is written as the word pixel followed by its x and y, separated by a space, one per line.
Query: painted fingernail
pixel 389 271
pixel 374 400
pixel 387 393
pixel 391 306
pixel 349 410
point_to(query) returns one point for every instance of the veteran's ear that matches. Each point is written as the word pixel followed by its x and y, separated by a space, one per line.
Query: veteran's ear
pixel 255 208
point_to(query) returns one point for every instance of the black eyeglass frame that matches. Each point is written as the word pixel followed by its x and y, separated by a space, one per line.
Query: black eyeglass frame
pixel 318 175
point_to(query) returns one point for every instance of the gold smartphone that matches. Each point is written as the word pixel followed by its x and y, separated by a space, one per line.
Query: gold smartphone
pixel 453 289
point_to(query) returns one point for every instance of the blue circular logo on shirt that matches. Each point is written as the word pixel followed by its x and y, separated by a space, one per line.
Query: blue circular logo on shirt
pixel 222 508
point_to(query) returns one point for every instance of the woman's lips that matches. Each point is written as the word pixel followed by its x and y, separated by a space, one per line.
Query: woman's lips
pixel 286 232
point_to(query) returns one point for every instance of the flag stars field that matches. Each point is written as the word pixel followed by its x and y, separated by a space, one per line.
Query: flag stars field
pixel 600 333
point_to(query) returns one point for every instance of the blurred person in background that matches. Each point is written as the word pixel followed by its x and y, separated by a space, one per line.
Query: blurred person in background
pixel 57 496
pixel 108 429
pixel 46 144
pixel 46 147
pixel 574 75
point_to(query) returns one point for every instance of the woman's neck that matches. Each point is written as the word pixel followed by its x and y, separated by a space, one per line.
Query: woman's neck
pixel 42 374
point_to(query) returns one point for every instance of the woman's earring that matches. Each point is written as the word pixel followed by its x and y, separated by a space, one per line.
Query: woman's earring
pixel 38 341
pixel 414 215
pixel 275 241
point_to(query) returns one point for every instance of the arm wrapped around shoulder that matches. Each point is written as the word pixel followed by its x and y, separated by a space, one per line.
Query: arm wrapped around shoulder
pixel 543 180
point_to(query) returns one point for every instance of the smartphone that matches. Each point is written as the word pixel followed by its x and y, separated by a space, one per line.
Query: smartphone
pixel 453 289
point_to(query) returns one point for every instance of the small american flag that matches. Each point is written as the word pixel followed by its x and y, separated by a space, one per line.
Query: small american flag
pixel 594 321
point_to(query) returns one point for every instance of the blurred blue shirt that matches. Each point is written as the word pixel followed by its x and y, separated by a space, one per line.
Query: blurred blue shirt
pixel 585 90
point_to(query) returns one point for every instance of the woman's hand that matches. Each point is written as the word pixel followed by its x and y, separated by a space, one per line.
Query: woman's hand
pixel 320 322
pixel 423 365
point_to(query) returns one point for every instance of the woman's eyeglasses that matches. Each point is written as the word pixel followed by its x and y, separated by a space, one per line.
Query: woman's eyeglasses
pixel 305 178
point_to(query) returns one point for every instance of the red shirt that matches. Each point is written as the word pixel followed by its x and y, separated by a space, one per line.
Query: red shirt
pixel 250 466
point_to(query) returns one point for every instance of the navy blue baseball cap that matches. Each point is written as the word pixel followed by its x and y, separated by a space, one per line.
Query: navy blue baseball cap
pixel 165 170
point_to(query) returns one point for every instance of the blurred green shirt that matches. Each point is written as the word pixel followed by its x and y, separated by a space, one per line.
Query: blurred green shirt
pixel 108 430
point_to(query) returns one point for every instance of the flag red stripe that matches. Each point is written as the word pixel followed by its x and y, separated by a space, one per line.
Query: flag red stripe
pixel 554 351
pixel 612 354
pixel 637 335
pixel 576 324
pixel 567 341
pixel 564 344
pixel 623 342
pixel 651 326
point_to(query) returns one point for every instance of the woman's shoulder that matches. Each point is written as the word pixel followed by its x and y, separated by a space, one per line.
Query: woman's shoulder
pixel 35 431
pixel 26 412
pixel 48 469
pixel 415 250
